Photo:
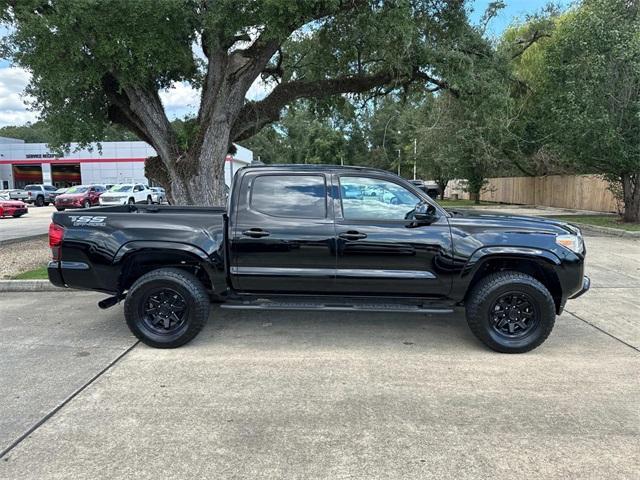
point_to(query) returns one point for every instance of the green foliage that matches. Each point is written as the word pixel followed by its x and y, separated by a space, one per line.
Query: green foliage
pixel 592 86
pixel 70 45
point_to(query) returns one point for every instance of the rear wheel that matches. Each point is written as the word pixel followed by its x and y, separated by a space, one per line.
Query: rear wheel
pixel 131 201
pixel 39 201
pixel 166 308
pixel 60 209
pixel 149 200
pixel 86 204
pixel 510 312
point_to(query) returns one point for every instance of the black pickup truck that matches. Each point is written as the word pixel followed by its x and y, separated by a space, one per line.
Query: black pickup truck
pixel 321 238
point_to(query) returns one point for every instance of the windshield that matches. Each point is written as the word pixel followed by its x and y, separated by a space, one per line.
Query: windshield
pixel 121 188
pixel 77 189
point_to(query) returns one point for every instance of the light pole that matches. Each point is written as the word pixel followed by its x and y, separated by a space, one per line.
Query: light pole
pixel 415 157
pixel 399 162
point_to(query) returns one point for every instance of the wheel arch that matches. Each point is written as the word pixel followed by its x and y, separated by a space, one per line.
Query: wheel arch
pixel 138 258
pixel 539 264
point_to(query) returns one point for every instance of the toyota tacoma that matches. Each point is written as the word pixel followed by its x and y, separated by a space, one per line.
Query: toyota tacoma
pixel 327 238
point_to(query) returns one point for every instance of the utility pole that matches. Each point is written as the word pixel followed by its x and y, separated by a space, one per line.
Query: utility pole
pixel 415 157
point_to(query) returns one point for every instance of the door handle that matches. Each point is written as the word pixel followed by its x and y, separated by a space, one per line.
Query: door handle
pixel 255 233
pixel 352 235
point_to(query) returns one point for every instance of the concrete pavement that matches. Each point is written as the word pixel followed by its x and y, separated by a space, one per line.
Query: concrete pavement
pixel 299 395
pixel 36 222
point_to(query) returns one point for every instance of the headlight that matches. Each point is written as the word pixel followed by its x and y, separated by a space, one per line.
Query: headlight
pixel 572 242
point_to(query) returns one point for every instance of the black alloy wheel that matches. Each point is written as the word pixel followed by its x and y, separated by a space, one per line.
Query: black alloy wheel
pixel 513 315
pixel 167 307
pixel 510 312
pixel 164 311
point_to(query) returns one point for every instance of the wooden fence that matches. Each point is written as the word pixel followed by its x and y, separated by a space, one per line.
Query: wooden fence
pixel 580 192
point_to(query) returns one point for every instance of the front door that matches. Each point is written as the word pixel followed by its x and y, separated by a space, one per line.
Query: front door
pixel 381 249
pixel 283 236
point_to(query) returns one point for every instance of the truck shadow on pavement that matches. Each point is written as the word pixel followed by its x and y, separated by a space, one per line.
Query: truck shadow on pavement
pixel 288 329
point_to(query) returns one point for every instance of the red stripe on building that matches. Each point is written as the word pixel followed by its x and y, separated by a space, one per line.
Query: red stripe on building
pixel 60 161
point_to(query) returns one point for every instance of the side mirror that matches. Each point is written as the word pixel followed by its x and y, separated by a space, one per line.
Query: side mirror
pixel 425 213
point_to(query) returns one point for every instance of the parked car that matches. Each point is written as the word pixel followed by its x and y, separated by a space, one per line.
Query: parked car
pixel 430 188
pixel 291 241
pixel 40 195
pixel 129 193
pixel 158 195
pixel 60 191
pixel 80 196
pixel 12 208
pixel 14 194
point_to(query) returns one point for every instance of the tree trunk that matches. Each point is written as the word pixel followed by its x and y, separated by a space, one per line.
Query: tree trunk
pixel 631 194
pixel 442 186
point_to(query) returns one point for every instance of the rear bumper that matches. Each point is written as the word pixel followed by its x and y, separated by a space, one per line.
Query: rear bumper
pixel 56 271
pixel 586 284
pixel 55 274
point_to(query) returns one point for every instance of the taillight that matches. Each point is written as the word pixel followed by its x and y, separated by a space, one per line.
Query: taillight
pixel 29 193
pixel 56 234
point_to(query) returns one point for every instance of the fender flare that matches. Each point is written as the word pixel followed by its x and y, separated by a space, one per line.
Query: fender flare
pixel 545 258
pixel 214 269
pixel 484 254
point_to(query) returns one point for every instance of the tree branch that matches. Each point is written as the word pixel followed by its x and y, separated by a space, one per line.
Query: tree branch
pixel 255 115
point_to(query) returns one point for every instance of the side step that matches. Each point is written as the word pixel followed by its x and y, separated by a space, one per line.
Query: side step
pixel 266 304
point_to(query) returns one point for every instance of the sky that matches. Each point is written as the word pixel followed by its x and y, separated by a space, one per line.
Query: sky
pixel 182 99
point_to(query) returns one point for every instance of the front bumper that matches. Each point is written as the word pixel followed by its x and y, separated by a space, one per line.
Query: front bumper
pixel 586 284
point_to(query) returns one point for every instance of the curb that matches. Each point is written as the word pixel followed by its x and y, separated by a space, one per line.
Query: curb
pixel 24 239
pixel 29 286
pixel 615 232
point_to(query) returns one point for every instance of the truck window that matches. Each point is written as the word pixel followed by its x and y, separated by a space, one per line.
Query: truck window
pixel 366 198
pixel 297 196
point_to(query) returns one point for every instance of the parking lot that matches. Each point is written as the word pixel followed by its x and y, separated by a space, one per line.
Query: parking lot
pixel 299 395
pixel 36 222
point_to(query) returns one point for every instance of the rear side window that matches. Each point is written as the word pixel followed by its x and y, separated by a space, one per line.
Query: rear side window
pixel 297 196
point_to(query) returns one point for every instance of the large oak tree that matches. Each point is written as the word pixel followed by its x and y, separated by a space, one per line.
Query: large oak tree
pixel 96 62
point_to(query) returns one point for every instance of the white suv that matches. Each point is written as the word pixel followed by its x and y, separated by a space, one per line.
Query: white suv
pixel 127 193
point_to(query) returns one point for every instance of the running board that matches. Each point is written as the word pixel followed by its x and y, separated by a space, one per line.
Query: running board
pixel 334 307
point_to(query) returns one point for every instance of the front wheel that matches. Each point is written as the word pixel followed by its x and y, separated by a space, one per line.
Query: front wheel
pixel 86 204
pixel 60 209
pixel 166 308
pixel 510 312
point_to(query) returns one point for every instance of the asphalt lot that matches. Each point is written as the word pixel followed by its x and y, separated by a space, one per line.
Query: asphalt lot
pixel 36 222
pixel 299 395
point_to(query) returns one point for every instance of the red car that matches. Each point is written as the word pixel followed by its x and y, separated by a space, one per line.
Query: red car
pixel 80 196
pixel 12 208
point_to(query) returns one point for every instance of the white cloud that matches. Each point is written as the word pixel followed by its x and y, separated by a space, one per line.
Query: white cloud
pixel 259 89
pixel 13 110
pixel 179 100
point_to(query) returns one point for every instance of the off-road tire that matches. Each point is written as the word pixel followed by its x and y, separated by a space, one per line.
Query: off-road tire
pixel 181 281
pixel 493 286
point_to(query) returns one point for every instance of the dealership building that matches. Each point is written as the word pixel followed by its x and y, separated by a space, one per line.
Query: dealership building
pixel 24 163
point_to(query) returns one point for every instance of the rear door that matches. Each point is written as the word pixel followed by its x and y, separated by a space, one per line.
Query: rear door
pixel 283 236
pixel 381 250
